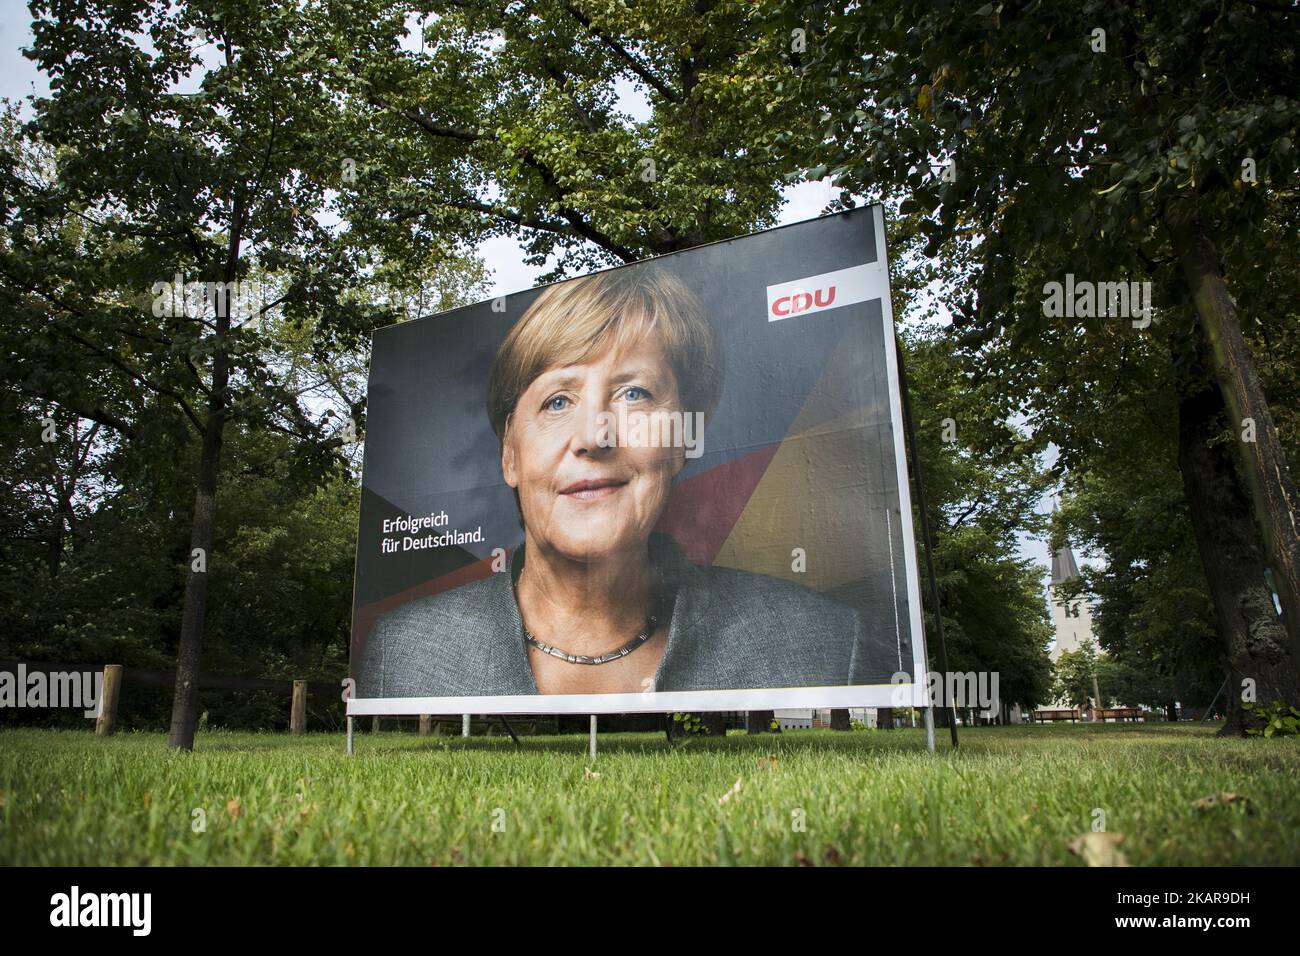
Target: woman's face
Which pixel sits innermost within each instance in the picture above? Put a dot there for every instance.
(584, 490)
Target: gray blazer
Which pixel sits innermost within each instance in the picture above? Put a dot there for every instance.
(730, 629)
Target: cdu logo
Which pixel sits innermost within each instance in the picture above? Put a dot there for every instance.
(802, 301)
(829, 290)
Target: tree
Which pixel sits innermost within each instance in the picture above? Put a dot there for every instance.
(1073, 676)
(226, 183)
(1121, 684)
(1124, 500)
(761, 722)
(983, 481)
(494, 119)
(1143, 141)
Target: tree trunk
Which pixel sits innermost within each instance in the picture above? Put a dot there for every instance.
(186, 698)
(884, 718)
(185, 701)
(1263, 460)
(1254, 642)
(840, 719)
(760, 722)
(714, 723)
(54, 554)
(1171, 712)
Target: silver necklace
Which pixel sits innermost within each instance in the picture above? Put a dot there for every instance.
(651, 622)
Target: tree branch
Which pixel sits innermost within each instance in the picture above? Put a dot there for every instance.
(94, 414)
(633, 63)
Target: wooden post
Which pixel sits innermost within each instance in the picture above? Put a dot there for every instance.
(298, 709)
(374, 724)
(108, 694)
(424, 725)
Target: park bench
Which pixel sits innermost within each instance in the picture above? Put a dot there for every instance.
(1120, 713)
(1045, 715)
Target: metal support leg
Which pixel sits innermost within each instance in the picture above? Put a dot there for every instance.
(592, 747)
(510, 730)
(929, 729)
(464, 725)
(1209, 710)
(349, 735)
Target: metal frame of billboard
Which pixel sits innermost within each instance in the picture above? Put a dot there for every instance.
(913, 694)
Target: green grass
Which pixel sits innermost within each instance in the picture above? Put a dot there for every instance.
(1011, 795)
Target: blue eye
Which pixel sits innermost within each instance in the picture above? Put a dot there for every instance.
(551, 406)
(635, 393)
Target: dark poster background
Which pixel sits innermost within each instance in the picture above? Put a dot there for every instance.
(800, 452)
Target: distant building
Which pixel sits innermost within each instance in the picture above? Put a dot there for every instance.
(1071, 618)
(808, 718)
(794, 718)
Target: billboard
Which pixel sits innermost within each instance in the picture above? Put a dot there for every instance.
(674, 485)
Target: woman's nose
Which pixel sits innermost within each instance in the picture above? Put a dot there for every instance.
(596, 429)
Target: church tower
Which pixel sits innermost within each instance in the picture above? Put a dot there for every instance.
(1071, 620)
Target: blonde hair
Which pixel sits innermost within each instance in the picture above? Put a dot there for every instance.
(572, 320)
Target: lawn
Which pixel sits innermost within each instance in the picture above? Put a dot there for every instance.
(1011, 795)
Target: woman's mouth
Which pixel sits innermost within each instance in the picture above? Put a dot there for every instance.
(592, 489)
